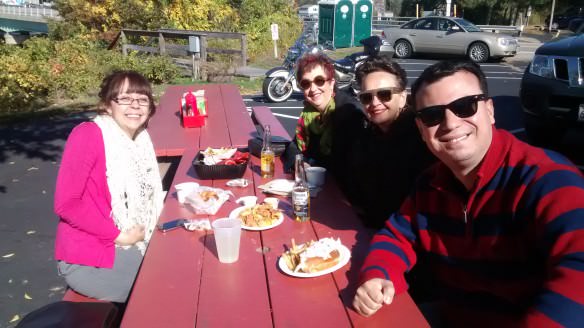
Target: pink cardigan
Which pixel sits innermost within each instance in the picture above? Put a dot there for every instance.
(86, 230)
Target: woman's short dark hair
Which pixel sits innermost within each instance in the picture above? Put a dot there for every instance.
(447, 68)
(382, 64)
(310, 61)
(112, 85)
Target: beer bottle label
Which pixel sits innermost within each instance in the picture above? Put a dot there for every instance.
(300, 197)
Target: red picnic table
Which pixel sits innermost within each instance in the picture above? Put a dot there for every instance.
(182, 283)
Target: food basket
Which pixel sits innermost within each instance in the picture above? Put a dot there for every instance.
(218, 171)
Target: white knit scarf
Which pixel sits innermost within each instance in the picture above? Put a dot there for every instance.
(133, 178)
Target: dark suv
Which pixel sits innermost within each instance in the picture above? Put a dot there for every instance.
(564, 19)
(552, 90)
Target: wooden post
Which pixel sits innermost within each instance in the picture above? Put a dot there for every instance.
(204, 48)
(243, 50)
(275, 49)
(161, 44)
(195, 66)
(124, 43)
(203, 59)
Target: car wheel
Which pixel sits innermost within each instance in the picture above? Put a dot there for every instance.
(403, 49)
(478, 52)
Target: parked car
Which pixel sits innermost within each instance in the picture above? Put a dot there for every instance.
(552, 90)
(449, 35)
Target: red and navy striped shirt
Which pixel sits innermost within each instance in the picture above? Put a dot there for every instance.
(512, 245)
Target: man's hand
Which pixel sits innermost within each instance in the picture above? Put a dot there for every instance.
(372, 295)
(130, 237)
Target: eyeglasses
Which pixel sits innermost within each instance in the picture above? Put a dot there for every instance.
(127, 101)
(318, 81)
(462, 107)
(383, 94)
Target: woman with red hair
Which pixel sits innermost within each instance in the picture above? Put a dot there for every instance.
(318, 133)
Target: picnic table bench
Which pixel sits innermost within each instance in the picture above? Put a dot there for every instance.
(181, 282)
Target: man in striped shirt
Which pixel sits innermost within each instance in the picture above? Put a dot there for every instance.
(498, 223)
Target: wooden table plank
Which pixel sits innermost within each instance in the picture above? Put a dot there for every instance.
(168, 135)
(215, 133)
(298, 302)
(239, 288)
(264, 116)
(167, 287)
(241, 128)
(335, 218)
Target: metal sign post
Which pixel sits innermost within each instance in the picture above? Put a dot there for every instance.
(275, 37)
(195, 50)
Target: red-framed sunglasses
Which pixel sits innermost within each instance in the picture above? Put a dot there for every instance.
(318, 81)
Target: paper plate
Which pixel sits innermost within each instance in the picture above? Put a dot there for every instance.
(235, 215)
(345, 256)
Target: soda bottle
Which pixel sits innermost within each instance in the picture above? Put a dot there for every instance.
(300, 192)
(267, 156)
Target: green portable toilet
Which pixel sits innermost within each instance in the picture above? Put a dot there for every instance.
(362, 20)
(335, 23)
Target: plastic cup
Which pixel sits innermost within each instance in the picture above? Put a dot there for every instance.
(227, 235)
(272, 201)
(315, 176)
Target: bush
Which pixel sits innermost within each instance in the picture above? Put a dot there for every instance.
(45, 71)
(158, 69)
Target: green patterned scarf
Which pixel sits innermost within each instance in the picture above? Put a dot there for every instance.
(311, 121)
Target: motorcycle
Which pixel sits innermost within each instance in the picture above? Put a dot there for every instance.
(280, 81)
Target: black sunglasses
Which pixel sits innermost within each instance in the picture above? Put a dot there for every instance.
(319, 81)
(462, 107)
(383, 94)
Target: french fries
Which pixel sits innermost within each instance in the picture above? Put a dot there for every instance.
(261, 215)
(292, 255)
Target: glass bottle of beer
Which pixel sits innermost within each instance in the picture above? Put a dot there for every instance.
(300, 192)
(267, 156)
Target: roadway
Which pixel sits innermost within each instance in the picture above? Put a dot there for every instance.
(29, 157)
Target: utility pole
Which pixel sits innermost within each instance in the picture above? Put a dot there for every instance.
(552, 16)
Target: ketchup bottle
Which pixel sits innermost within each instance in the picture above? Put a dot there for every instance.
(190, 103)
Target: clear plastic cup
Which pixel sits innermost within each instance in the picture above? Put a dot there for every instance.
(227, 235)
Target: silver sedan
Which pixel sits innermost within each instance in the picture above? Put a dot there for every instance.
(446, 35)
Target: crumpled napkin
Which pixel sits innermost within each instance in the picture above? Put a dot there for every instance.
(194, 224)
(280, 187)
(207, 200)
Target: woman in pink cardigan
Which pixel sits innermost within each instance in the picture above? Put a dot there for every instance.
(109, 194)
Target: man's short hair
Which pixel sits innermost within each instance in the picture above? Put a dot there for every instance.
(446, 68)
(382, 64)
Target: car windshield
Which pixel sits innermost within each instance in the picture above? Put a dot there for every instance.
(468, 26)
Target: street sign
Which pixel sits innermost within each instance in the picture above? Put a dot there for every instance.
(274, 28)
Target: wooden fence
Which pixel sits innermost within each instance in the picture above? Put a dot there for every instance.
(178, 52)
